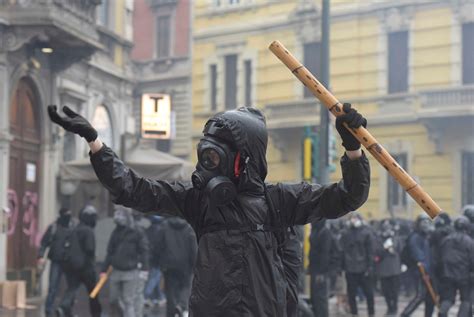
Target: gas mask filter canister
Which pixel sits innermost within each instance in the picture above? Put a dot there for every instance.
(215, 171)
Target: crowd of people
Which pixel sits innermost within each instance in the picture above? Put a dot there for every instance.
(136, 265)
(355, 259)
(348, 259)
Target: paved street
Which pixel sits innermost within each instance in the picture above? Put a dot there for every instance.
(82, 307)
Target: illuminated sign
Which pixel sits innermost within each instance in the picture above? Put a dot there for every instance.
(156, 116)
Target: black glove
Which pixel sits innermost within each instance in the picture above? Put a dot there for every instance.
(74, 123)
(354, 120)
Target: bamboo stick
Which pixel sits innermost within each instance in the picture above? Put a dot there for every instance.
(364, 137)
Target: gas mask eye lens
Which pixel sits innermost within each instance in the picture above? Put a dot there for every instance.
(210, 158)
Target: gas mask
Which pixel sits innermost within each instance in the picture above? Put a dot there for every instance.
(216, 170)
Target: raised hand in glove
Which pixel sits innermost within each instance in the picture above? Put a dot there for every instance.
(74, 123)
(353, 120)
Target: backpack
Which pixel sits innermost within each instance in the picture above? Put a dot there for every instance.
(405, 256)
(74, 257)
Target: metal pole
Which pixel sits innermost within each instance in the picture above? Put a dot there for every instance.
(324, 114)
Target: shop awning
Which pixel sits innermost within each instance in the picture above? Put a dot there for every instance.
(146, 161)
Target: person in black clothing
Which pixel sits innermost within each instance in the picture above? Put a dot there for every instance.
(235, 214)
(152, 289)
(468, 212)
(443, 228)
(321, 241)
(457, 262)
(389, 265)
(86, 273)
(420, 253)
(127, 254)
(54, 240)
(358, 262)
(177, 249)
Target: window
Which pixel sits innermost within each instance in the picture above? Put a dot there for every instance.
(467, 53)
(69, 150)
(231, 81)
(103, 13)
(312, 61)
(467, 171)
(397, 62)
(248, 82)
(213, 84)
(163, 36)
(397, 198)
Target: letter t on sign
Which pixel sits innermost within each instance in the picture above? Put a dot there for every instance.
(156, 101)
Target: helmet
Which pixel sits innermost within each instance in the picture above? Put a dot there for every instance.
(462, 224)
(468, 211)
(442, 220)
(423, 223)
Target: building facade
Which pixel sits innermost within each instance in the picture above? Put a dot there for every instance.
(162, 62)
(404, 64)
(74, 53)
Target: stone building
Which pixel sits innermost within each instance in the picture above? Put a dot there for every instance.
(67, 52)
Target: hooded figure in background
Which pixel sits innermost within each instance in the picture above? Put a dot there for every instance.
(127, 254)
(358, 250)
(457, 263)
(52, 242)
(238, 219)
(81, 249)
(177, 249)
(420, 253)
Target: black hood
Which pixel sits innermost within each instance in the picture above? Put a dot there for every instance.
(249, 132)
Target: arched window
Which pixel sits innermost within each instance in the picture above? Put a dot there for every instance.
(102, 122)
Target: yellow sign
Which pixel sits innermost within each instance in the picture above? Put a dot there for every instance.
(156, 116)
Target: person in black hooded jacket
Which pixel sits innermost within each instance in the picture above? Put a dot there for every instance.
(236, 216)
(359, 262)
(86, 274)
(53, 239)
(457, 267)
(177, 248)
(127, 254)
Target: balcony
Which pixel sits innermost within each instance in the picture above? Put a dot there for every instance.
(67, 26)
(293, 114)
(447, 102)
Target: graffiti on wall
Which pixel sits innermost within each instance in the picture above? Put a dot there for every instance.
(29, 221)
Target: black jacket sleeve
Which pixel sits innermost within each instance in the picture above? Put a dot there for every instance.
(45, 241)
(129, 189)
(311, 202)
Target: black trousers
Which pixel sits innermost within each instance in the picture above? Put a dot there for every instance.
(421, 295)
(355, 280)
(177, 290)
(319, 295)
(74, 279)
(448, 297)
(390, 291)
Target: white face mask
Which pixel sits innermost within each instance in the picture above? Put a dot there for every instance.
(356, 223)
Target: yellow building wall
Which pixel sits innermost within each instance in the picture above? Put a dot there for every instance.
(355, 73)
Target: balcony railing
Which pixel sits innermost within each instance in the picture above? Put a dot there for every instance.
(292, 114)
(77, 17)
(405, 107)
(457, 96)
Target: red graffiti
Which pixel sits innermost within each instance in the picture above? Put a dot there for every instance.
(30, 222)
(29, 206)
(14, 209)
